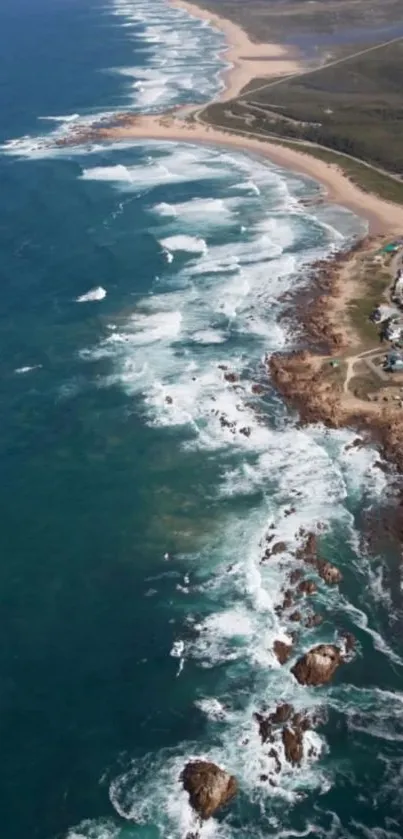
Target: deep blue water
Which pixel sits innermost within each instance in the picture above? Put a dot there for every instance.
(116, 665)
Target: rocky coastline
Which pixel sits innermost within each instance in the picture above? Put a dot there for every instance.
(301, 377)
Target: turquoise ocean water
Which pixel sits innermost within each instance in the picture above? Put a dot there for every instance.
(131, 274)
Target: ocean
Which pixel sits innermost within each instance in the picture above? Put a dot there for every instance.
(143, 284)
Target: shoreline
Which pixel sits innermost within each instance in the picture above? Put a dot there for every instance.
(383, 217)
(307, 379)
(182, 124)
(249, 60)
(302, 377)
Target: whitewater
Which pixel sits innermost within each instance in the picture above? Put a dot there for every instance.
(231, 236)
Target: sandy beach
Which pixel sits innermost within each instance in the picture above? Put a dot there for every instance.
(249, 60)
(382, 216)
(185, 124)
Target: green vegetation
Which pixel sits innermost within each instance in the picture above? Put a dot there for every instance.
(355, 107)
(351, 103)
(375, 285)
(307, 22)
(230, 116)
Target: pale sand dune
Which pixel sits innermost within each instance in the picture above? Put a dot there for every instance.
(249, 61)
(383, 216)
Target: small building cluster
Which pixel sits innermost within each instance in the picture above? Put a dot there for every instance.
(389, 317)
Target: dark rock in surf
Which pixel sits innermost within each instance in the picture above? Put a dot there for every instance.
(282, 651)
(258, 389)
(293, 745)
(281, 714)
(349, 641)
(273, 754)
(313, 620)
(264, 726)
(307, 587)
(329, 573)
(318, 665)
(278, 548)
(209, 787)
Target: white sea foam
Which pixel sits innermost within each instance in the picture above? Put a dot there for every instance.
(22, 370)
(201, 212)
(169, 164)
(64, 119)
(189, 244)
(222, 309)
(53, 144)
(182, 62)
(190, 353)
(228, 289)
(93, 294)
(97, 829)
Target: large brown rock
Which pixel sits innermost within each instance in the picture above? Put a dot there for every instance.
(318, 665)
(209, 787)
(329, 573)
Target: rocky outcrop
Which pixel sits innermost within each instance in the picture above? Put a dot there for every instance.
(246, 431)
(231, 377)
(282, 651)
(349, 641)
(264, 724)
(277, 762)
(307, 587)
(309, 550)
(278, 548)
(329, 573)
(209, 787)
(314, 619)
(318, 665)
(281, 714)
(293, 745)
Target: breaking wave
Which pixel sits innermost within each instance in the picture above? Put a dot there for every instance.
(176, 61)
(190, 355)
(173, 39)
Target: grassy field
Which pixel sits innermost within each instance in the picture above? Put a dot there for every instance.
(321, 24)
(356, 107)
(374, 288)
(235, 118)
